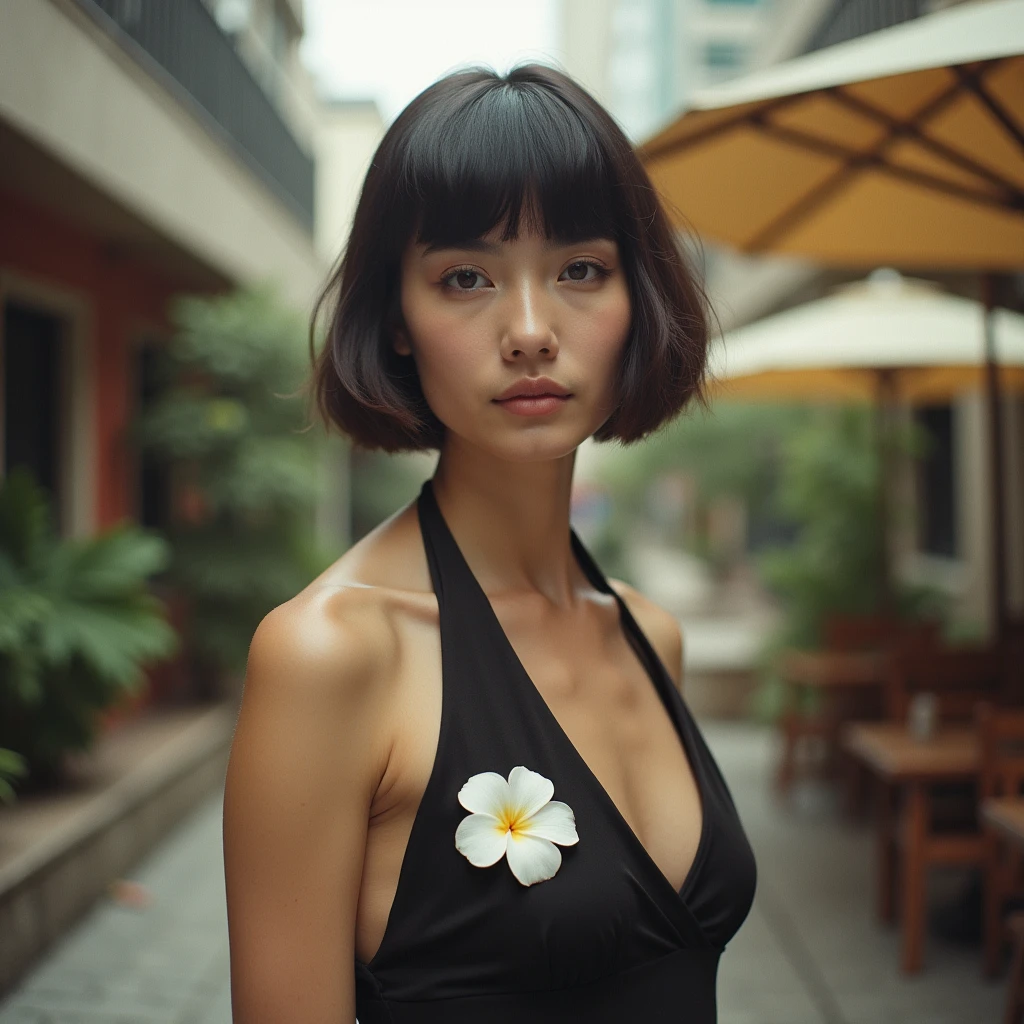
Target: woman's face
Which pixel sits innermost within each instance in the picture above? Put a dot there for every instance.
(480, 319)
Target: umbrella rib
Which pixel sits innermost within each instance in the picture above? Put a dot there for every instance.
(797, 211)
(954, 156)
(854, 161)
(650, 153)
(994, 106)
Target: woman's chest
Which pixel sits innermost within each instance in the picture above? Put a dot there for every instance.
(597, 728)
(599, 696)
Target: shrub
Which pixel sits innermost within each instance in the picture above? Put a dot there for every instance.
(77, 626)
(830, 489)
(246, 473)
(12, 766)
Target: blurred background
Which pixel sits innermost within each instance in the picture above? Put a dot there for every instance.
(841, 537)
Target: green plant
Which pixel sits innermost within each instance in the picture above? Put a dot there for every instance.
(12, 766)
(246, 472)
(830, 489)
(732, 451)
(77, 625)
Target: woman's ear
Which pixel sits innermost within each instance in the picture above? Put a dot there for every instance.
(400, 341)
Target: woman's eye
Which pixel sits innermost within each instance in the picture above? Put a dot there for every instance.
(466, 279)
(463, 280)
(580, 271)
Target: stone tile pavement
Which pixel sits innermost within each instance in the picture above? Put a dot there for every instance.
(163, 964)
(810, 952)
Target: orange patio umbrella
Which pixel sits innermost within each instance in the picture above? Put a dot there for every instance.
(904, 147)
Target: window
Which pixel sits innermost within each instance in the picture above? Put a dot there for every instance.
(154, 474)
(936, 504)
(32, 379)
(724, 55)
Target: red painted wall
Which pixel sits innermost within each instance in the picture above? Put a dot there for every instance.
(126, 298)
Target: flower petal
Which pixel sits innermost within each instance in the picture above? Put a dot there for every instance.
(486, 793)
(529, 791)
(531, 858)
(481, 839)
(554, 821)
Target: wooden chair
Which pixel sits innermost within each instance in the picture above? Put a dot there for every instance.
(846, 634)
(870, 633)
(1001, 735)
(959, 677)
(858, 632)
(948, 832)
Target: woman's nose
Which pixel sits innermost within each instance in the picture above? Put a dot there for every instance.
(528, 329)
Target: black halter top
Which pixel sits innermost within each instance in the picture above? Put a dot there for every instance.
(607, 937)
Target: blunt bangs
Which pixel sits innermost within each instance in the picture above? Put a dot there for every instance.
(513, 156)
(474, 152)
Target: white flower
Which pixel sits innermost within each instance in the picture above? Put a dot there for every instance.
(517, 819)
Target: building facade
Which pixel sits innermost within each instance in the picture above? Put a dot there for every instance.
(141, 158)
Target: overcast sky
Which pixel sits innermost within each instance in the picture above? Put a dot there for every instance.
(389, 50)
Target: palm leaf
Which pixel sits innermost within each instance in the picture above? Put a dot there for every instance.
(24, 519)
(114, 564)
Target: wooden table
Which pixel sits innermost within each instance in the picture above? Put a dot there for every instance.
(831, 670)
(825, 672)
(907, 770)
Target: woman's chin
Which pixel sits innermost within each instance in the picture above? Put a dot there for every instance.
(537, 445)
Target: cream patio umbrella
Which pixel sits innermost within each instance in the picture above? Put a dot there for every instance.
(921, 341)
(904, 147)
(878, 340)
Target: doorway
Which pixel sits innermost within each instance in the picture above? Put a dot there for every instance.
(33, 358)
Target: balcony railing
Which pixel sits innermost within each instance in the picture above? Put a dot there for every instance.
(849, 19)
(179, 42)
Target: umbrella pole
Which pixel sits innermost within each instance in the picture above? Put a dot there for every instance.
(996, 462)
(884, 397)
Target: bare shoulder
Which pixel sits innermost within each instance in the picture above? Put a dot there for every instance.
(311, 744)
(661, 627)
(338, 641)
(340, 635)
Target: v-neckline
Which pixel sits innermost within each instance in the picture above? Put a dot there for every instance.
(649, 661)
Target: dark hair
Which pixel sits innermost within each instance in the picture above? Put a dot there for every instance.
(472, 151)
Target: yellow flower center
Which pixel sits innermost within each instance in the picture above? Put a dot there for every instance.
(511, 820)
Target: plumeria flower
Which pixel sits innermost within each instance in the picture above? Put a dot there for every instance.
(517, 819)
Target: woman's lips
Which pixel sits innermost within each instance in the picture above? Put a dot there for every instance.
(536, 405)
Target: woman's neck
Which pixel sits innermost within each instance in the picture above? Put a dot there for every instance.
(511, 521)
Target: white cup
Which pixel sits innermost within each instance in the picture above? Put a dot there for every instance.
(922, 716)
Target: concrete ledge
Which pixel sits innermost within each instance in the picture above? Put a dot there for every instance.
(59, 852)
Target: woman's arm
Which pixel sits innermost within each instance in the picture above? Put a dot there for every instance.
(307, 756)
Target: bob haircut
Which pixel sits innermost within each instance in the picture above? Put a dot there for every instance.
(472, 151)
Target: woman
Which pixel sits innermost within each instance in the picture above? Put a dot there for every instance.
(463, 784)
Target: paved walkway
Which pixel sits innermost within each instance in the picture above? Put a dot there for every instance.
(810, 952)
